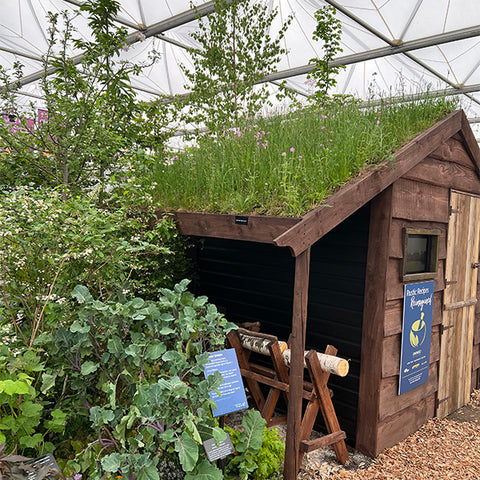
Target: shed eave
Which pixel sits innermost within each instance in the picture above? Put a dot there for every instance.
(252, 228)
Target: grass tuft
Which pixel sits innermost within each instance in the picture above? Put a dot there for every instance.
(289, 163)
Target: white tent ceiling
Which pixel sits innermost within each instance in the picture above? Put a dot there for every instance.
(389, 46)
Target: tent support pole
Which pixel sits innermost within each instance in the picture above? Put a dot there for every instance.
(297, 340)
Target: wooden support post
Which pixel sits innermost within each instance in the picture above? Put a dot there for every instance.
(373, 324)
(297, 338)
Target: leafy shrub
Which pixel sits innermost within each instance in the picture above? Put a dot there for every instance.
(24, 425)
(259, 450)
(134, 368)
(49, 244)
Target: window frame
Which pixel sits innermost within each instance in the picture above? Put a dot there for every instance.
(433, 241)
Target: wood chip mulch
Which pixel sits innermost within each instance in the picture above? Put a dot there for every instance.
(440, 449)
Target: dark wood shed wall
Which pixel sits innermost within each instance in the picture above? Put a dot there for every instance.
(420, 199)
(254, 282)
(335, 306)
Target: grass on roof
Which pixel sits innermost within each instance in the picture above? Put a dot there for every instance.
(288, 163)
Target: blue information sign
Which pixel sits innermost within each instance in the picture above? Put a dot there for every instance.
(416, 335)
(232, 391)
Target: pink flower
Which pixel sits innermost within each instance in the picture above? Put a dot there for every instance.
(378, 122)
(283, 154)
(324, 128)
(300, 157)
(292, 149)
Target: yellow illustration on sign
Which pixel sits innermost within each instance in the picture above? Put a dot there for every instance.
(418, 332)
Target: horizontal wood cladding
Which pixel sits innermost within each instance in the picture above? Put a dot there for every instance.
(396, 237)
(398, 426)
(394, 314)
(251, 228)
(391, 352)
(250, 281)
(417, 201)
(391, 402)
(453, 150)
(447, 174)
(395, 289)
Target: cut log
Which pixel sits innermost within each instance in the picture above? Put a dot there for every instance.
(258, 344)
(329, 363)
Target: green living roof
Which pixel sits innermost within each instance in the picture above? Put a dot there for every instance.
(287, 164)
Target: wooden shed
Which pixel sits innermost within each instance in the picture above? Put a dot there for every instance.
(338, 276)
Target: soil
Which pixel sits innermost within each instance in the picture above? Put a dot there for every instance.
(441, 449)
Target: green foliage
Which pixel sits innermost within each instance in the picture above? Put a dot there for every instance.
(328, 31)
(235, 50)
(287, 164)
(48, 245)
(135, 367)
(259, 450)
(24, 425)
(94, 124)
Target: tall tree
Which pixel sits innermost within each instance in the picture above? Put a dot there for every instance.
(235, 50)
(92, 122)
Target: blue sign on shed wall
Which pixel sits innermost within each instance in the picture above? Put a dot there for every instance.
(416, 335)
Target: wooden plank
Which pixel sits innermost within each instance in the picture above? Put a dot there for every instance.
(297, 345)
(454, 150)
(396, 237)
(475, 382)
(258, 229)
(395, 289)
(394, 314)
(373, 318)
(391, 352)
(464, 303)
(445, 174)
(397, 427)
(455, 369)
(366, 186)
(417, 201)
(391, 402)
(311, 445)
(470, 143)
(311, 412)
(319, 380)
(476, 357)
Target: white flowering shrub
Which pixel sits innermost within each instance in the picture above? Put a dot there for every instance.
(48, 245)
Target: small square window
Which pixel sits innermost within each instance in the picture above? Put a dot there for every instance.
(420, 259)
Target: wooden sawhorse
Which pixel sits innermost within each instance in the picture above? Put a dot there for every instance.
(316, 393)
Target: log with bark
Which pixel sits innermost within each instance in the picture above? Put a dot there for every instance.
(259, 343)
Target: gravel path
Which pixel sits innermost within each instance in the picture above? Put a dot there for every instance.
(441, 449)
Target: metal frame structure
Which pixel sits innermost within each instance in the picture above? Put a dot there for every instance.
(396, 46)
